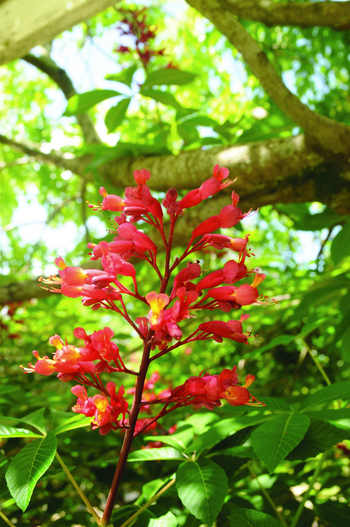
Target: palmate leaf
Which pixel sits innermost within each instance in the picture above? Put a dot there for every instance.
(251, 518)
(338, 390)
(28, 466)
(202, 488)
(273, 441)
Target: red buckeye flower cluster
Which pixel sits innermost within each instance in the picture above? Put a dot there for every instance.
(185, 290)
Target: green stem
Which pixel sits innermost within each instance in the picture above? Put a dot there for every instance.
(320, 369)
(311, 486)
(152, 500)
(267, 496)
(6, 520)
(78, 489)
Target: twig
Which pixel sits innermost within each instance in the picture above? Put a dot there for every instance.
(267, 496)
(319, 367)
(6, 520)
(78, 489)
(152, 500)
(307, 493)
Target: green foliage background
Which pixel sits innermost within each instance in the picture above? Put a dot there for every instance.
(311, 319)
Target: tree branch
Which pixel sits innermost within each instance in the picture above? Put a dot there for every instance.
(66, 161)
(335, 15)
(329, 134)
(60, 77)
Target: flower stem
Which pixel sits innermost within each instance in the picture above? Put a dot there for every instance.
(129, 434)
(152, 500)
(5, 518)
(78, 489)
(267, 496)
(311, 486)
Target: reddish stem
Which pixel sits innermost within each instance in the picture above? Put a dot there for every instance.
(129, 434)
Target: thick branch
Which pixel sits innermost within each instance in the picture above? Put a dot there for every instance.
(66, 161)
(335, 15)
(282, 170)
(329, 134)
(60, 77)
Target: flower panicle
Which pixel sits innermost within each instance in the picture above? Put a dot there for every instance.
(192, 290)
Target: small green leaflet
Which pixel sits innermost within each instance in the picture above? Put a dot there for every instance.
(237, 451)
(340, 247)
(223, 429)
(252, 518)
(338, 390)
(202, 488)
(179, 440)
(168, 520)
(163, 97)
(155, 453)
(124, 76)
(169, 76)
(9, 431)
(273, 441)
(28, 466)
(116, 115)
(36, 419)
(77, 421)
(81, 102)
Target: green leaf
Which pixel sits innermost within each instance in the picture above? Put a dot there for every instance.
(200, 120)
(339, 390)
(9, 431)
(276, 405)
(180, 440)
(169, 76)
(223, 429)
(115, 115)
(36, 419)
(77, 421)
(124, 76)
(315, 222)
(335, 513)
(188, 133)
(340, 247)
(281, 339)
(28, 466)
(151, 454)
(273, 441)
(237, 451)
(320, 294)
(251, 518)
(168, 520)
(165, 98)
(202, 488)
(83, 101)
(320, 436)
(329, 415)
